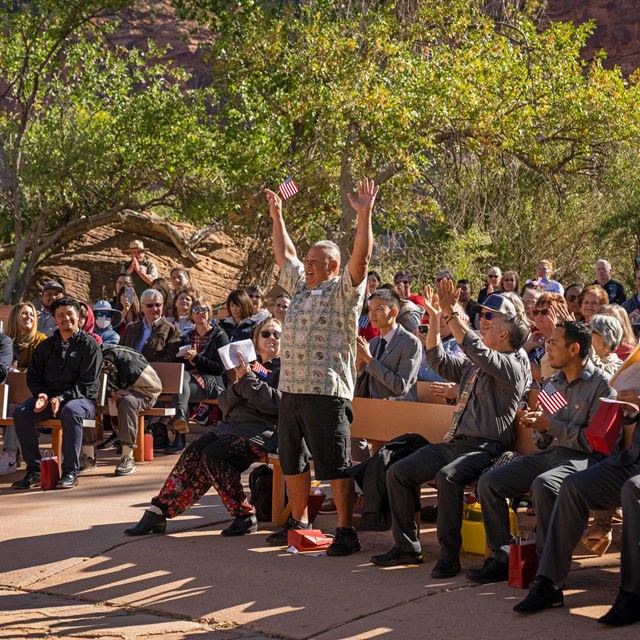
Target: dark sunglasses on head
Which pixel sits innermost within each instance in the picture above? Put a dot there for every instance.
(154, 305)
(271, 334)
(540, 312)
(402, 282)
(200, 310)
(487, 315)
(103, 314)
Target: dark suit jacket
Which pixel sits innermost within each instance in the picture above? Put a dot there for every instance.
(161, 346)
(396, 373)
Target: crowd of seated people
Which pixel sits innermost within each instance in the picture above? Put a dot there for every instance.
(499, 350)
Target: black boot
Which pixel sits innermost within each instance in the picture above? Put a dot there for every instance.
(241, 526)
(178, 444)
(149, 523)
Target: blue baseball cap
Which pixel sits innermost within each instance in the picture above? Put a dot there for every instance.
(496, 302)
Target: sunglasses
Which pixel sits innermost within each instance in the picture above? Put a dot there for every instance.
(200, 310)
(271, 334)
(540, 312)
(155, 305)
(572, 298)
(487, 315)
(103, 314)
(493, 275)
(402, 282)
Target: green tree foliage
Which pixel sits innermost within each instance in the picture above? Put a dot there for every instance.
(89, 130)
(490, 133)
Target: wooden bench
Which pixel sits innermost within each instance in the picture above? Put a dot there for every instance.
(171, 376)
(15, 392)
(378, 421)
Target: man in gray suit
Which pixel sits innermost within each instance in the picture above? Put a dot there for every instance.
(388, 365)
(615, 481)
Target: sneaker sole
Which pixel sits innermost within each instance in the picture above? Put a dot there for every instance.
(128, 472)
(337, 554)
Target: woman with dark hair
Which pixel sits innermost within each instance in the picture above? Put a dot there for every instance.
(364, 325)
(126, 301)
(238, 324)
(203, 376)
(219, 457)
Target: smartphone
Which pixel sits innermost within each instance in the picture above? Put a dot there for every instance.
(128, 294)
(423, 328)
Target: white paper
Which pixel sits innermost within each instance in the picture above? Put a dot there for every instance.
(230, 354)
(635, 407)
(183, 350)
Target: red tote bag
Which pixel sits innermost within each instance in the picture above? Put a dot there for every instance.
(603, 430)
(523, 563)
(49, 471)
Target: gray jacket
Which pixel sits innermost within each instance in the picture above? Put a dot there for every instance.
(503, 379)
(394, 376)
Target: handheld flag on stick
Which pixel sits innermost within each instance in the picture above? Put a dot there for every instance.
(288, 188)
(258, 369)
(551, 399)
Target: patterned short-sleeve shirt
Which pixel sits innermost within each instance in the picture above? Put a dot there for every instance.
(318, 350)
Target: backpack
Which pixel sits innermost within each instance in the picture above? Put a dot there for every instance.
(261, 485)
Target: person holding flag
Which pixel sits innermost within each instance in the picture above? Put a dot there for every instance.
(567, 402)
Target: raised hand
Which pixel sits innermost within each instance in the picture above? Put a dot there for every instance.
(447, 295)
(431, 302)
(367, 192)
(558, 313)
(275, 203)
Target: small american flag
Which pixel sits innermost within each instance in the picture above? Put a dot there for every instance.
(288, 188)
(551, 398)
(258, 369)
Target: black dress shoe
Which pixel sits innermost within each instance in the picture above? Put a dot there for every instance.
(542, 595)
(491, 571)
(149, 523)
(445, 569)
(30, 480)
(624, 611)
(68, 481)
(110, 443)
(397, 557)
(241, 525)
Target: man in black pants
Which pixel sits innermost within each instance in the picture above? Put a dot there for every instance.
(63, 377)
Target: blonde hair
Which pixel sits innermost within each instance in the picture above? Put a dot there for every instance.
(13, 326)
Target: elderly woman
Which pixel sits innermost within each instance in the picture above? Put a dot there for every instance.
(629, 341)
(238, 324)
(203, 376)
(218, 458)
(23, 330)
(591, 298)
(606, 334)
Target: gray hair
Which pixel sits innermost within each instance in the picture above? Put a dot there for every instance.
(606, 263)
(330, 247)
(609, 328)
(151, 294)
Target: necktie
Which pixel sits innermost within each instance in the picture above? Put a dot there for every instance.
(381, 347)
(462, 403)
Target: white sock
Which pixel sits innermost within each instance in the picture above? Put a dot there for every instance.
(127, 451)
(154, 509)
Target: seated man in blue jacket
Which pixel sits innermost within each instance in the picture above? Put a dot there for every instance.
(63, 378)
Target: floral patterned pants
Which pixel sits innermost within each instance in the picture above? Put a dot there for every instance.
(213, 460)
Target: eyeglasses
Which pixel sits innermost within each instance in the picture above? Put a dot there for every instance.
(402, 282)
(572, 298)
(493, 275)
(540, 312)
(103, 314)
(200, 310)
(155, 305)
(487, 315)
(271, 334)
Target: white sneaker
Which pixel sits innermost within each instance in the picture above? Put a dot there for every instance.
(8, 463)
(126, 466)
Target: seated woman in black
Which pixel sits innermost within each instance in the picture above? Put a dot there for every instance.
(204, 371)
(238, 324)
(219, 457)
